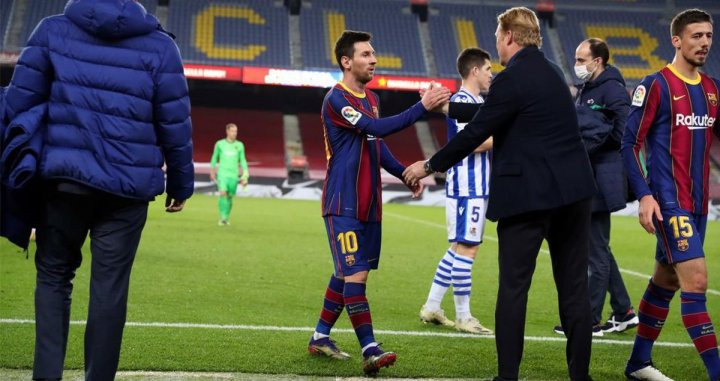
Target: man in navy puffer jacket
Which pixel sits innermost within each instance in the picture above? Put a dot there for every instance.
(118, 109)
(603, 92)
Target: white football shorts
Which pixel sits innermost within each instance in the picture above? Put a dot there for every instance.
(465, 219)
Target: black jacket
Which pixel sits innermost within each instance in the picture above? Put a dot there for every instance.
(538, 161)
(608, 96)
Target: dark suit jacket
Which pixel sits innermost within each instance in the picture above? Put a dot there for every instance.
(538, 161)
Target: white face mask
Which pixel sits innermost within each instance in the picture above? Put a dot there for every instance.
(582, 72)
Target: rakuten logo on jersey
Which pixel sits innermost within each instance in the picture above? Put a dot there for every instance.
(694, 122)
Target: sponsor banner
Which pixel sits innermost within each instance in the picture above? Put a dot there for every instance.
(326, 79)
(286, 77)
(391, 82)
(218, 73)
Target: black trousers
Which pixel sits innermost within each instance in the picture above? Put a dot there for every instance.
(115, 225)
(604, 274)
(566, 230)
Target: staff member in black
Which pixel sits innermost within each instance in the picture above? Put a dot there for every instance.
(540, 188)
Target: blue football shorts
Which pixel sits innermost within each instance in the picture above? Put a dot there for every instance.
(680, 235)
(355, 245)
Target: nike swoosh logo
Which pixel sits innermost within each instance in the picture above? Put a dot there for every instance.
(706, 327)
(677, 98)
(697, 127)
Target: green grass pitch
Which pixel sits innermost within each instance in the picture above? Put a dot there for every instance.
(266, 273)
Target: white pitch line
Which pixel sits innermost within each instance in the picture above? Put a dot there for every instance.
(247, 327)
(544, 251)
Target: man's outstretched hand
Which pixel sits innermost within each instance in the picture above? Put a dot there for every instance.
(435, 96)
(416, 189)
(441, 107)
(414, 173)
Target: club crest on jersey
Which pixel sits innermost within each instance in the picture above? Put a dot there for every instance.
(683, 244)
(350, 114)
(639, 96)
(375, 111)
(712, 97)
(473, 231)
(350, 259)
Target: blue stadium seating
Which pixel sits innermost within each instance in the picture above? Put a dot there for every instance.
(712, 6)
(38, 9)
(644, 36)
(5, 6)
(618, 3)
(396, 38)
(454, 27)
(234, 33)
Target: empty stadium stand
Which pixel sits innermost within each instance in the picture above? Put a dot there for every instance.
(405, 146)
(615, 3)
(438, 128)
(5, 7)
(396, 38)
(36, 10)
(234, 33)
(260, 131)
(313, 142)
(454, 27)
(639, 41)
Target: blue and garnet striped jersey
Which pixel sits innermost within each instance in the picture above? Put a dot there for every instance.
(355, 151)
(673, 116)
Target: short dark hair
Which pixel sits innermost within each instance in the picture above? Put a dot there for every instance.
(686, 17)
(599, 48)
(469, 58)
(345, 45)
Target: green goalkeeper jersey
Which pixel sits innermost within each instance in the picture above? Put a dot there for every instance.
(229, 155)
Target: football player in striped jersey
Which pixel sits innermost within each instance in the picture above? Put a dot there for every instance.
(467, 189)
(673, 113)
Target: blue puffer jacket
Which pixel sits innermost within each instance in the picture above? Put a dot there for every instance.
(118, 105)
(606, 95)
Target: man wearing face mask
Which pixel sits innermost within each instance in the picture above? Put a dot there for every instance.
(602, 106)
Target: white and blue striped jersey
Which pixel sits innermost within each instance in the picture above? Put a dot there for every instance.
(471, 176)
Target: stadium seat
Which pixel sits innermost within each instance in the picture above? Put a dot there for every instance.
(405, 146)
(36, 10)
(438, 128)
(5, 7)
(233, 33)
(313, 142)
(618, 3)
(396, 36)
(454, 27)
(639, 42)
(260, 131)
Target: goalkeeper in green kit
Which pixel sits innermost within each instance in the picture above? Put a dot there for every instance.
(229, 152)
